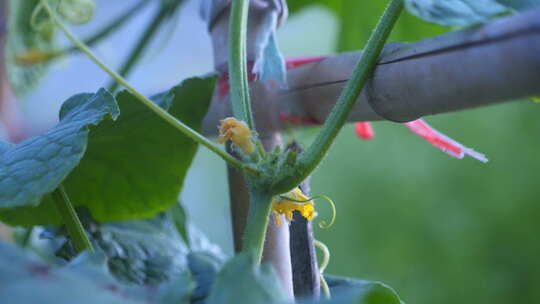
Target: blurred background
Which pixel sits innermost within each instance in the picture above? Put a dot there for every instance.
(437, 229)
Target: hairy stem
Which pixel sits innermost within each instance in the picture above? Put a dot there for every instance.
(309, 160)
(71, 220)
(257, 222)
(238, 80)
(142, 43)
(163, 114)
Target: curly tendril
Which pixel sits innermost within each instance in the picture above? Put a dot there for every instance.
(72, 11)
(323, 224)
(322, 267)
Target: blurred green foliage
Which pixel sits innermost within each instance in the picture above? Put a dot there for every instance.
(437, 229)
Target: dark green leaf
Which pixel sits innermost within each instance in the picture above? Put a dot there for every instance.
(26, 279)
(455, 12)
(520, 4)
(178, 215)
(177, 291)
(355, 291)
(21, 39)
(138, 251)
(204, 267)
(135, 166)
(243, 281)
(38, 165)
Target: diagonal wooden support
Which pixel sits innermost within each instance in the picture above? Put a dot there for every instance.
(493, 63)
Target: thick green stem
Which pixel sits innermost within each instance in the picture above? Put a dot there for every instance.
(71, 220)
(238, 79)
(309, 160)
(257, 222)
(163, 114)
(142, 43)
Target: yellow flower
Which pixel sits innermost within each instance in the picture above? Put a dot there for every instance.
(238, 132)
(32, 56)
(286, 204)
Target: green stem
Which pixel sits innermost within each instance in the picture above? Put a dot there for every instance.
(238, 79)
(309, 160)
(163, 114)
(260, 206)
(71, 220)
(142, 43)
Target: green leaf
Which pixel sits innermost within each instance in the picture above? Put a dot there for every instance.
(243, 281)
(134, 167)
(26, 279)
(520, 4)
(358, 19)
(178, 215)
(21, 39)
(38, 165)
(355, 291)
(143, 251)
(455, 12)
(204, 267)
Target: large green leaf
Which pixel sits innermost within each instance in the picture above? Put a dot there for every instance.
(38, 165)
(464, 12)
(520, 4)
(133, 167)
(356, 291)
(21, 39)
(358, 18)
(455, 12)
(148, 251)
(26, 279)
(241, 280)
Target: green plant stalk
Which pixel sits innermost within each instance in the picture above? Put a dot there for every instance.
(311, 158)
(71, 220)
(238, 79)
(147, 102)
(142, 43)
(260, 206)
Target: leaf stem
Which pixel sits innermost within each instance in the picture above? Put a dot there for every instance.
(309, 160)
(163, 114)
(257, 222)
(142, 43)
(71, 220)
(238, 79)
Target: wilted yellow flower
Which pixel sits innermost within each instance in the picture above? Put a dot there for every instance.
(238, 132)
(286, 204)
(32, 56)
